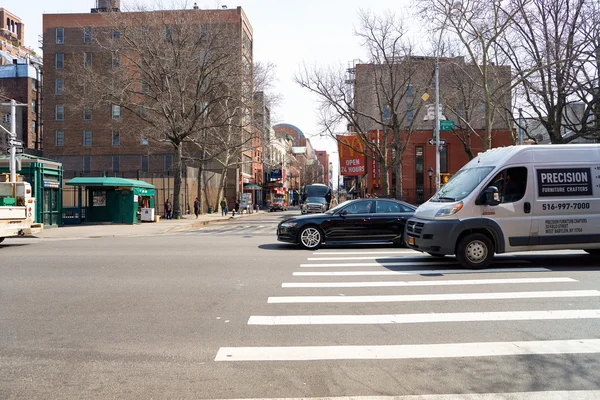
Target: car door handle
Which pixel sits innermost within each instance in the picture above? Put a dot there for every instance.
(527, 207)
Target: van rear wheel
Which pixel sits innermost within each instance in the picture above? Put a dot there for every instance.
(475, 251)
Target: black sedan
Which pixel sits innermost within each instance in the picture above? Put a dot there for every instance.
(351, 221)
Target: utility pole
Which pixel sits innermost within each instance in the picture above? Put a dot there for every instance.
(13, 142)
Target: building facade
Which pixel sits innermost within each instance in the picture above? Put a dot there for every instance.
(20, 79)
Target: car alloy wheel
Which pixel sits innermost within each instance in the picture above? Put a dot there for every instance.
(311, 237)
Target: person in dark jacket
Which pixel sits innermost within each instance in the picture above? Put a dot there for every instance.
(236, 207)
(196, 207)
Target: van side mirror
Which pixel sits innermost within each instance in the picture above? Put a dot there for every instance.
(491, 197)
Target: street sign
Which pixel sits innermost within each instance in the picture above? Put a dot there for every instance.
(18, 150)
(15, 142)
(446, 125)
(431, 141)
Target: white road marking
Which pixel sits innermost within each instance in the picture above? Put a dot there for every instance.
(370, 258)
(345, 253)
(395, 264)
(424, 283)
(422, 318)
(420, 272)
(393, 352)
(549, 395)
(434, 297)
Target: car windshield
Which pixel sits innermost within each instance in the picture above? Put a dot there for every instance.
(461, 184)
(320, 200)
(338, 207)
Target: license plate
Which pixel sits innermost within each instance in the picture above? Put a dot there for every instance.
(411, 240)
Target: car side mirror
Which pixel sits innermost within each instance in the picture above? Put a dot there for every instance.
(491, 197)
(343, 213)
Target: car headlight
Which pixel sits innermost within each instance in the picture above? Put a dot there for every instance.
(288, 224)
(449, 210)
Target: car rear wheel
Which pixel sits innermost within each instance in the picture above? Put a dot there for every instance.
(475, 251)
(310, 238)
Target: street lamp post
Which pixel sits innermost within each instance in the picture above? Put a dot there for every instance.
(430, 173)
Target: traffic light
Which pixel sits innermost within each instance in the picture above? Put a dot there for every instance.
(444, 178)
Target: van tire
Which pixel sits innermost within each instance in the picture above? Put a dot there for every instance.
(475, 251)
(593, 252)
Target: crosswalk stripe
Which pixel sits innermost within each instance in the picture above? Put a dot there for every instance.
(394, 352)
(420, 272)
(345, 253)
(394, 264)
(423, 283)
(422, 318)
(433, 297)
(548, 395)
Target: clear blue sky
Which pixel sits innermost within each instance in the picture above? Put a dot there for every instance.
(286, 33)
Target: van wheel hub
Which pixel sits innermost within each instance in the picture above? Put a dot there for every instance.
(476, 251)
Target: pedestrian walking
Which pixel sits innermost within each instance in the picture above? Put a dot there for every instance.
(196, 207)
(168, 209)
(236, 207)
(223, 207)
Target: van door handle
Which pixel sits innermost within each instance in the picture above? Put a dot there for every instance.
(527, 207)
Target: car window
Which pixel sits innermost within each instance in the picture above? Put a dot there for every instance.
(360, 207)
(511, 184)
(384, 206)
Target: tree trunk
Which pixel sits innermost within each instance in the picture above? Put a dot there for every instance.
(221, 191)
(398, 166)
(177, 175)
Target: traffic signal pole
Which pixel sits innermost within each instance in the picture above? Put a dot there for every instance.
(13, 138)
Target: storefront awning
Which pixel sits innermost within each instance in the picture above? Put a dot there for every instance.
(108, 182)
(252, 186)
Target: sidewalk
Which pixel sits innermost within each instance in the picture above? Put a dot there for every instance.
(142, 229)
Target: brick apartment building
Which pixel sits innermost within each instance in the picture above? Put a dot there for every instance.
(417, 117)
(90, 141)
(20, 77)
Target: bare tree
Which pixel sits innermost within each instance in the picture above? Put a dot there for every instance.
(382, 97)
(478, 26)
(554, 53)
(174, 79)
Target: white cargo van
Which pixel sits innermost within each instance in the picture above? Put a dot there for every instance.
(517, 198)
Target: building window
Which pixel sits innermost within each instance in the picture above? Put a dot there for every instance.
(116, 138)
(116, 111)
(116, 59)
(87, 113)
(116, 35)
(144, 142)
(145, 163)
(168, 162)
(60, 112)
(409, 112)
(33, 106)
(143, 87)
(60, 35)
(59, 139)
(33, 126)
(386, 112)
(87, 164)
(60, 87)
(143, 112)
(87, 138)
(87, 60)
(409, 90)
(87, 35)
(60, 61)
(116, 163)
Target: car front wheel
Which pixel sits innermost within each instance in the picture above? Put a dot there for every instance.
(475, 251)
(310, 238)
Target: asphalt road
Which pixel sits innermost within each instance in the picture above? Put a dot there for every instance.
(228, 312)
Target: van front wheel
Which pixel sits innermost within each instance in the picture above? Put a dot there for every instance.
(475, 251)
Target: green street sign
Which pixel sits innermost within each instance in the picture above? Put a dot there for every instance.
(446, 125)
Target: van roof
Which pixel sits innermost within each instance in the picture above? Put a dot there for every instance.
(545, 153)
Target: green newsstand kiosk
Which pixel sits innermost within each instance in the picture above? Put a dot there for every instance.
(111, 199)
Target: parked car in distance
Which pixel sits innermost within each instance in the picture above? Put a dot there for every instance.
(278, 204)
(314, 205)
(362, 220)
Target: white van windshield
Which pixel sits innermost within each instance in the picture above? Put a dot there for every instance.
(462, 184)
